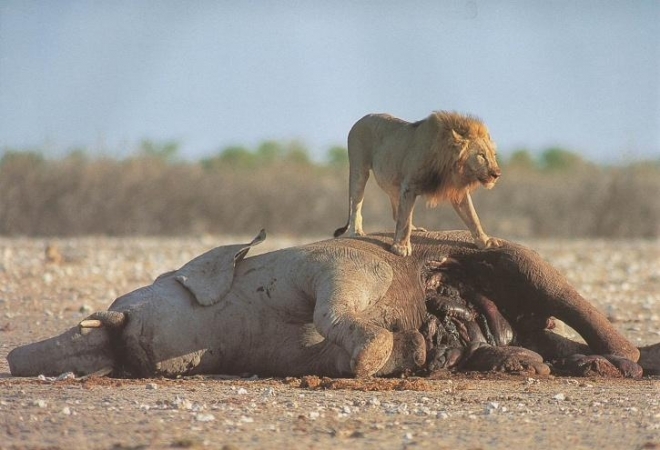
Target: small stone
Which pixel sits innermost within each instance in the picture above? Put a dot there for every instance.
(204, 417)
(182, 403)
(242, 391)
(151, 386)
(40, 403)
(492, 407)
(374, 401)
(560, 397)
(66, 411)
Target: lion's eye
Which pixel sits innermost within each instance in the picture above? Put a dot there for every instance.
(481, 159)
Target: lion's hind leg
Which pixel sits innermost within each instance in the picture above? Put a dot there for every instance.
(358, 177)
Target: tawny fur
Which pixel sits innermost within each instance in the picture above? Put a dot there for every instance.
(443, 158)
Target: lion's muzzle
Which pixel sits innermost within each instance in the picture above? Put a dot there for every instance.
(489, 180)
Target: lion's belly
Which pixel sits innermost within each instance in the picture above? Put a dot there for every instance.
(389, 164)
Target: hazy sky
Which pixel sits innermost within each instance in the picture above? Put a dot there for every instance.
(584, 75)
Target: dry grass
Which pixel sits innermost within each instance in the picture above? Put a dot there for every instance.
(149, 196)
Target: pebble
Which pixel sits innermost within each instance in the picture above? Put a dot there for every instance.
(492, 407)
(374, 401)
(204, 417)
(182, 403)
(66, 376)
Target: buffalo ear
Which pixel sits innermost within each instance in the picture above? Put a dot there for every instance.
(209, 276)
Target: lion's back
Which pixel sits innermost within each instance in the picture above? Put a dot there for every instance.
(377, 138)
(373, 129)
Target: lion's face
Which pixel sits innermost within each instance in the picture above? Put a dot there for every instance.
(481, 162)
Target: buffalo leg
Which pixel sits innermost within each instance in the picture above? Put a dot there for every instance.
(524, 282)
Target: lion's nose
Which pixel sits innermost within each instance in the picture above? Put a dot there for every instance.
(495, 173)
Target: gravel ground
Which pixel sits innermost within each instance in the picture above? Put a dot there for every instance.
(39, 299)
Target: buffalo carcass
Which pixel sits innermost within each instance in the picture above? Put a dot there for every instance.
(345, 307)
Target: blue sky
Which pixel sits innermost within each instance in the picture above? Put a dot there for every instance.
(584, 75)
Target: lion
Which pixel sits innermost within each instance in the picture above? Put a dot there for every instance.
(443, 157)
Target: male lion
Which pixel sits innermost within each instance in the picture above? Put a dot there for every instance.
(443, 157)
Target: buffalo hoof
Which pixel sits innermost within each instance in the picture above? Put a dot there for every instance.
(442, 357)
(609, 366)
(514, 360)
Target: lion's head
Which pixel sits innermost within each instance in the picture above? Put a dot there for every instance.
(479, 158)
(474, 150)
(462, 157)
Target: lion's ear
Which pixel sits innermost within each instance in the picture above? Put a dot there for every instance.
(458, 138)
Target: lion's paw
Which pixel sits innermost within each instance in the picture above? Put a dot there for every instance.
(401, 249)
(488, 242)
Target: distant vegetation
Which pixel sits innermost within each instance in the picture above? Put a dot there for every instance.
(278, 186)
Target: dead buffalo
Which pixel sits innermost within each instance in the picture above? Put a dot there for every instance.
(345, 307)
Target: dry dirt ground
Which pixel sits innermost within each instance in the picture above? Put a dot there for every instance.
(39, 299)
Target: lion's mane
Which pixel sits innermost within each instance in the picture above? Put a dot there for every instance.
(440, 161)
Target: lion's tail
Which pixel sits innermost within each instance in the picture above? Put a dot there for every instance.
(340, 231)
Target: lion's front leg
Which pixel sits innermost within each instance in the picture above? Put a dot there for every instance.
(465, 210)
(401, 245)
(394, 201)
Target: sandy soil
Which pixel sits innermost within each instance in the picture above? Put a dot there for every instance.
(39, 299)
